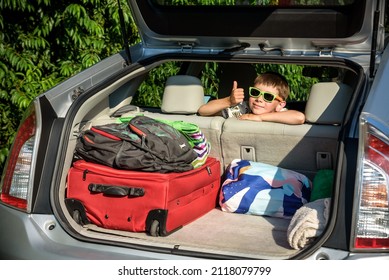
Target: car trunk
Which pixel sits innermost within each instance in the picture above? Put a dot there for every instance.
(219, 234)
(216, 234)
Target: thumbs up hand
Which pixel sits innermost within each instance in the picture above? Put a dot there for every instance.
(237, 94)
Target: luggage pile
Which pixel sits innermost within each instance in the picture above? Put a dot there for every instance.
(142, 176)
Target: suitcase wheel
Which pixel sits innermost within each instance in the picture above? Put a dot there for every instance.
(77, 211)
(154, 228)
(77, 217)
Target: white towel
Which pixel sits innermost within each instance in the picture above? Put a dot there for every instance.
(308, 222)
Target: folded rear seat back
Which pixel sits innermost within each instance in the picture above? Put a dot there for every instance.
(305, 148)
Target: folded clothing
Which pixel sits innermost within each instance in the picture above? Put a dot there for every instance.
(308, 223)
(262, 189)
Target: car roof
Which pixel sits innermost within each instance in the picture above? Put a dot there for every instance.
(343, 27)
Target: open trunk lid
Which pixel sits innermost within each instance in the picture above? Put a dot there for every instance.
(341, 26)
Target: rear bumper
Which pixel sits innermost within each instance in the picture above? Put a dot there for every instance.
(40, 237)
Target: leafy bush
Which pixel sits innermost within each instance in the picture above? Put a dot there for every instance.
(47, 42)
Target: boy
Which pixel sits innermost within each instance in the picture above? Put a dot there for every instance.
(266, 103)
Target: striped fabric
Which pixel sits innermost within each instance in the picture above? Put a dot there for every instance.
(195, 138)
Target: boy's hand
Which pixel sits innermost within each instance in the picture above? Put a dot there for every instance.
(237, 94)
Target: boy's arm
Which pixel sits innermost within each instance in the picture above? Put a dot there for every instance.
(214, 107)
(287, 117)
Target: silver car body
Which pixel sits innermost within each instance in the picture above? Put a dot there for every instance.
(38, 232)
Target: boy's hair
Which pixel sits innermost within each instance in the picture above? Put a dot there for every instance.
(275, 80)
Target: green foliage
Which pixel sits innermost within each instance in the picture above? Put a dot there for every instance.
(210, 79)
(43, 42)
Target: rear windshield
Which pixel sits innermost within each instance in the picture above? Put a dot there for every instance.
(267, 3)
(254, 18)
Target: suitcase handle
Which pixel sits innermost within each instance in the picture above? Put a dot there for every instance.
(116, 190)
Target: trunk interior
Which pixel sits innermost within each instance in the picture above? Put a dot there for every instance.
(306, 148)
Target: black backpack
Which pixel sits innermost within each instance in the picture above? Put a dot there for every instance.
(142, 144)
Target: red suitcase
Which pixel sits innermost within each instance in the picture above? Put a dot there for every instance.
(157, 203)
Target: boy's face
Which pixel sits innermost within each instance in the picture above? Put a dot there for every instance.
(259, 106)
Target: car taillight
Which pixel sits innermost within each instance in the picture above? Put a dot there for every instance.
(372, 216)
(17, 176)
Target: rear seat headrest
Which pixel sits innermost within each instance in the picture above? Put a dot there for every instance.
(327, 103)
(183, 94)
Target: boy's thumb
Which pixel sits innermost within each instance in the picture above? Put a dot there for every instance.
(235, 85)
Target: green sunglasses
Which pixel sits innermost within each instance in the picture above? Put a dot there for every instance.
(267, 96)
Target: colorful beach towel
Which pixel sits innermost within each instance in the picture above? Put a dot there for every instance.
(261, 189)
